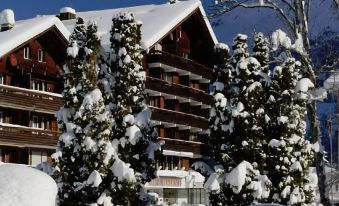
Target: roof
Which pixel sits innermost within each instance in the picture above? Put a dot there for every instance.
(332, 82)
(157, 20)
(25, 30)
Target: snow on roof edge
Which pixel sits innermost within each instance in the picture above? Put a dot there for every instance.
(161, 33)
(19, 37)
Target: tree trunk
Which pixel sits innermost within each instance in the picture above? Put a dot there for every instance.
(302, 29)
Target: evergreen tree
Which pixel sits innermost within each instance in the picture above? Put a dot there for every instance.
(85, 153)
(236, 131)
(239, 49)
(138, 145)
(261, 51)
(291, 154)
(257, 135)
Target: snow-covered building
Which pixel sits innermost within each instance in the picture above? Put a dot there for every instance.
(178, 41)
(32, 52)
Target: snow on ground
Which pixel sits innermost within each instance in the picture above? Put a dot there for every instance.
(25, 186)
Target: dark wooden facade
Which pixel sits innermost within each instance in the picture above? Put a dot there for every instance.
(29, 97)
(178, 73)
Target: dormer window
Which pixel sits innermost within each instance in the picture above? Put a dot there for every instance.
(41, 55)
(27, 52)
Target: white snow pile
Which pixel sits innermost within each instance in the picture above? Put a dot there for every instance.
(302, 87)
(221, 46)
(242, 176)
(25, 186)
(237, 177)
(94, 179)
(7, 17)
(280, 39)
(212, 183)
(123, 171)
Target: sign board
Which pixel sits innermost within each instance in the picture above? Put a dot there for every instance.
(165, 182)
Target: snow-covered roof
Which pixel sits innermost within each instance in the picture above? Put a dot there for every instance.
(157, 20)
(332, 82)
(25, 30)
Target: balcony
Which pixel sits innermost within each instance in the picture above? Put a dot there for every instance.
(25, 136)
(182, 145)
(30, 100)
(38, 68)
(178, 90)
(180, 63)
(164, 115)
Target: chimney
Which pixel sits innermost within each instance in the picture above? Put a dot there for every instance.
(172, 1)
(67, 13)
(7, 20)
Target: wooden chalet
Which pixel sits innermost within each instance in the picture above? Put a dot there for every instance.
(31, 57)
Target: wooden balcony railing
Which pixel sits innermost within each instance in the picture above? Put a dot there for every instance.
(182, 146)
(174, 117)
(30, 100)
(178, 90)
(180, 63)
(25, 136)
(40, 68)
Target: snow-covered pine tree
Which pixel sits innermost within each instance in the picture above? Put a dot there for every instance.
(239, 49)
(72, 69)
(67, 171)
(291, 154)
(138, 141)
(261, 51)
(85, 153)
(237, 134)
(221, 81)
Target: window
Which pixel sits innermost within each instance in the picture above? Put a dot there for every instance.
(38, 85)
(41, 55)
(38, 122)
(38, 157)
(27, 52)
(1, 117)
(2, 79)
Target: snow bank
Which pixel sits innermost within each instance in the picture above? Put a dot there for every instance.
(25, 186)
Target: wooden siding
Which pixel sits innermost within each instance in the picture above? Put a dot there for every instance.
(165, 115)
(181, 63)
(27, 136)
(29, 100)
(178, 90)
(182, 146)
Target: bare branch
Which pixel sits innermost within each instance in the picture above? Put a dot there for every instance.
(289, 5)
(308, 4)
(274, 7)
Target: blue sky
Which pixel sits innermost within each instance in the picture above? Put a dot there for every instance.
(240, 20)
(24, 9)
